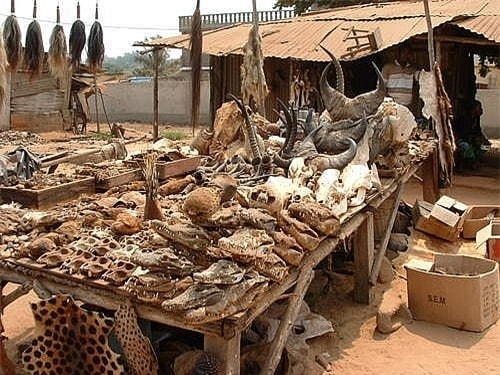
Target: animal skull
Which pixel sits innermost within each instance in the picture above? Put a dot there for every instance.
(356, 180)
(299, 172)
(302, 194)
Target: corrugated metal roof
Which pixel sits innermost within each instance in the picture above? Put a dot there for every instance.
(299, 38)
(487, 26)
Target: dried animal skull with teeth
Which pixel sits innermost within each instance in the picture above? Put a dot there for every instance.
(299, 172)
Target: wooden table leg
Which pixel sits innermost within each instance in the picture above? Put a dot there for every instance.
(430, 177)
(295, 301)
(364, 249)
(227, 351)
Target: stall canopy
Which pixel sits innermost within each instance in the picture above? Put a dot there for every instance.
(388, 23)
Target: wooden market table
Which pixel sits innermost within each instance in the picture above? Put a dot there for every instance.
(370, 223)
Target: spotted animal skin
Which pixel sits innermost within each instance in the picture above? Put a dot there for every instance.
(70, 341)
(139, 353)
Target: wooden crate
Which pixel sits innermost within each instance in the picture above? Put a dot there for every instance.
(48, 197)
(167, 169)
(119, 180)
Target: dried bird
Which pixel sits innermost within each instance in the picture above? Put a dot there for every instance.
(12, 37)
(58, 50)
(95, 44)
(33, 50)
(77, 39)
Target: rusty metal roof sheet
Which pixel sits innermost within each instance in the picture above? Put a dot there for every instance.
(299, 38)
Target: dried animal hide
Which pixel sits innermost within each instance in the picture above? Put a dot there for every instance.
(77, 37)
(152, 208)
(95, 45)
(253, 80)
(435, 106)
(6, 365)
(34, 50)
(69, 340)
(303, 234)
(341, 107)
(139, 353)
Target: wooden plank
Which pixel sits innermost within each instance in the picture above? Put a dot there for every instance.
(39, 123)
(48, 197)
(430, 176)
(364, 248)
(119, 180)
(177, 167)
(227, 351)
(33, 87)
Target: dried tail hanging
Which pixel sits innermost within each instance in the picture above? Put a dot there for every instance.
(33, 48)
(58, 50)
(195, 56)
(12, 37)
(95, 45)
(3, 73)
(77, 38)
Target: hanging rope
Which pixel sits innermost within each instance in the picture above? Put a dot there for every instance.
(12, 37)
(77, 37)
(34, 50)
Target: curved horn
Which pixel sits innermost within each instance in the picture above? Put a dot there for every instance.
(288, 124)
(340, 161)
(281, 162)
(249, 128)
(381, 85)
(333, 99)
(339, 74)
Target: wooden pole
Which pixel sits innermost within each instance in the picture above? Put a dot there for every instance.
(96, 107)
(156, 54)
(430, 35)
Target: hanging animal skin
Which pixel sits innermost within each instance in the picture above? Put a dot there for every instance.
(58, 50)
(12, 37)
(34, 50)
(77, 39)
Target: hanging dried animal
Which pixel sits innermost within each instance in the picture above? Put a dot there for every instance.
(341, 107)
(77, 37)
(33, 50)
(253, 79)
(58, 50)
(95, 46)
(12, 37)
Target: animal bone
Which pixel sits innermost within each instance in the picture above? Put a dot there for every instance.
(299, 172)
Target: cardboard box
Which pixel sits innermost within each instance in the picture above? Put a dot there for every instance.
(444, 219)
(455, 290)
(477, 217)
(489, 239)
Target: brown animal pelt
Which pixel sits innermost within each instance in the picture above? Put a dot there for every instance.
(195, 55)
(3, 74)
(95, 47)
(152, 208)
(57, 53)
(77, 37)
(13, 44)
(33, 50)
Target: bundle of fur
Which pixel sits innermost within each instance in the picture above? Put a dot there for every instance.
(58, 50)
(33, 49)
(77, 37)
(12, 37)
(95, 47)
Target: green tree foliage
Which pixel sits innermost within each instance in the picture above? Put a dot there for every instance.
(301, 6)
(139, 63)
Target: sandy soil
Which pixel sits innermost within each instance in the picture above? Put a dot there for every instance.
(418, 348)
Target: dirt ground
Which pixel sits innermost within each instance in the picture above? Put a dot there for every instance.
(418, 348)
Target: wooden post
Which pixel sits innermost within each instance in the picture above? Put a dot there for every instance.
(96, 108)
(430, 176)
(295, 300)
(385, 239)
(227, 351)
(363, 260)
(430, 35)
(156, 54)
